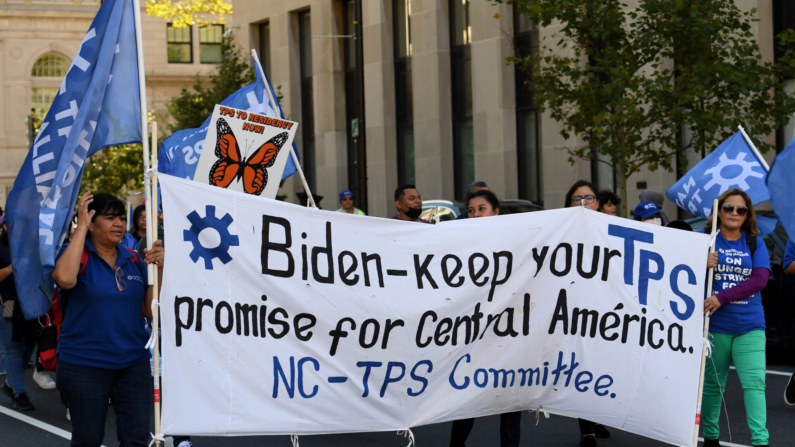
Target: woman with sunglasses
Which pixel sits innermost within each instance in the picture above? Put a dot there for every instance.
(584, 193)
(737, 322)
(102, 351)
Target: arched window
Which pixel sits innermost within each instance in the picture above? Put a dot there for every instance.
(50, 66)
(48, 72)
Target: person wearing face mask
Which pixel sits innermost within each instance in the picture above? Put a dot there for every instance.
(649, 213)
(484, 203)
(583, 193)
(408, 203)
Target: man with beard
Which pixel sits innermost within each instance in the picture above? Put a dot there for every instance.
(408, 203)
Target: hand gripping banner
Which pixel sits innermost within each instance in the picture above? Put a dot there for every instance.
(280, 319)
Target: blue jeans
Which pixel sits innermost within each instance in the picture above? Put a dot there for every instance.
(86, 391)
(17, 356)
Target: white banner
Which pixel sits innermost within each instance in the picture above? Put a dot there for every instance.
(279, 319)
(248, 151)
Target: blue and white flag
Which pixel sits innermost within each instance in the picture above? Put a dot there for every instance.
(733, 164)
(781, 184)
(179, 154)
(97, 106)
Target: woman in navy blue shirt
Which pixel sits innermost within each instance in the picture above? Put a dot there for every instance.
(102, 351)
(737, 322)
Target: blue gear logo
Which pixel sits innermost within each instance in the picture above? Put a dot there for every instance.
(198, 224)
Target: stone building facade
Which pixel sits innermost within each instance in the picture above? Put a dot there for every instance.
(386, 92)
(39, 38)
(440, 107)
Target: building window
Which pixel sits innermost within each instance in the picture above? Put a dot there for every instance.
(307, 99)
(528, 135)
(50, 66)
(461, 70)
(47, 72)
(180, 44)
(211, 37)
(265, 47)
(42, 98)
(354, 102)
(404, 102)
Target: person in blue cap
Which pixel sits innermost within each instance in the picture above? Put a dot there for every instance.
(648, 212)
(346, 204)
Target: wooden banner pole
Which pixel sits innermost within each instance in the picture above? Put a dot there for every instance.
(715, 230)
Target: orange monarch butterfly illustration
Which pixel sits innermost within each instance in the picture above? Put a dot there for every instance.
(232, 166)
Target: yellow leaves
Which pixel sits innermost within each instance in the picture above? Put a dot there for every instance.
(496, 15)
(181, 13)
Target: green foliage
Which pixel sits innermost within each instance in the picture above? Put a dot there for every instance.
(116, 170)
(192, 107)
(627, 80)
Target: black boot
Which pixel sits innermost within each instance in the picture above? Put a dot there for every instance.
(601, 432)
(587, 441)
(711, 443)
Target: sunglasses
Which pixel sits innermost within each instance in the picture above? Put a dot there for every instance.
(347, 198)
(729, 208)
(577, 200)
(120, 283)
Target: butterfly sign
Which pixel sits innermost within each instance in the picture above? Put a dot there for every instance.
(249, 151)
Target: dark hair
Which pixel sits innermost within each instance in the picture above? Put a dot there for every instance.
(750, 219)
(679, 225)
(136, 214)
(106, 205)
(472, 186)
(606, 196)
(574, 187)
(490, 197)
(401, 191)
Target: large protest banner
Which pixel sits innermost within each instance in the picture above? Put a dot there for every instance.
(279, 319)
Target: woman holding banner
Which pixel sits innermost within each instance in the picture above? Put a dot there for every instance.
(484, 203)
(101, 352)
(737, 323)
(583, 193)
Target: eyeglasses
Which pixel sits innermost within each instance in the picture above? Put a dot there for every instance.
(577, 200)
(120, 283)
(728, 208)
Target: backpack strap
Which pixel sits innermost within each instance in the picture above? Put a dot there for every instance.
(83, 260)
(135, 258)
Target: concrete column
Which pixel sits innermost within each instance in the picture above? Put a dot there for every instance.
(329, 97)
(379, 95)
(494, 97)
(433, 125)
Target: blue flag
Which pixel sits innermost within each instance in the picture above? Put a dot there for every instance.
(732, 165)
(97, 105)
(179, 154)
(781, 183)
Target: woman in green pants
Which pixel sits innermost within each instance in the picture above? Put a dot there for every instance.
(737, 326)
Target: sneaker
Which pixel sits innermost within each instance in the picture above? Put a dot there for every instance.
(185, 443)
(601, 432)
(44, 380)
(711, 443)
(789, 391)
(68, 416)
(7, 390)
(588, 441)
(22, 403)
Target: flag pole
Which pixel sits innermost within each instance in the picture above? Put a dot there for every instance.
(155, 293)
(753, 147)
(277, 108)
(144, 128)
(151, 272)
(706, 325)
